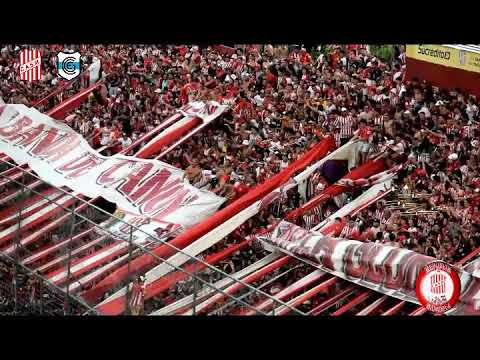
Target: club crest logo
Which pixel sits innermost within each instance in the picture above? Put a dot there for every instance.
(30, 65)
(438, 287)
(68, 65)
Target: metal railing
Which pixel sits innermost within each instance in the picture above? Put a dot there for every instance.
(50, 100)
(132, 248)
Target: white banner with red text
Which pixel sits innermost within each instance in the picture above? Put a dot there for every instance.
(387, 269)
(145, 189)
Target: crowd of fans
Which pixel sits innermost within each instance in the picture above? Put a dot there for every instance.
(24, 293)
(436, 139)
(282, 100)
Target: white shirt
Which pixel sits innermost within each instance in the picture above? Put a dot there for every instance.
(471, 111)
(275, 146)
(105, 137)
(331, 108)
(258, 100)
(126, 142)
(85, 127)
(379, 97)
(426, 111)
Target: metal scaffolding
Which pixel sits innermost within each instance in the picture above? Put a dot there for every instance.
(77, 218)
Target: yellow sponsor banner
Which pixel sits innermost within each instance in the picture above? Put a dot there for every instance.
(446, 56)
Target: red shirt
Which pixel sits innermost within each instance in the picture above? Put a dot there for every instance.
(476, 182)
(271, 78)
(134, 82)
(475, 201)
(335, 59)
(182, 50)
(96, 138)
(354, 46)
(305, 57)
(196, 58)
(338, 228)
(186, 90)
(419, 172)
(116, 136)
(232, 90)
(365, 133)
(244, 107)
(454, 165)
(220, 73)
(365, 235)
(240, 189)
(330, 92)
(147, 62)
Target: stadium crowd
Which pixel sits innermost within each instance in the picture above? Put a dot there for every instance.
(23, 293)
(282, 100)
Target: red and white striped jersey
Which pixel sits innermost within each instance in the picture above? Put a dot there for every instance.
(379, 121)
(315, 184)
(337, 138)
(137, 298)
(317, 210)
(346, 125)
(350, 232)
(450, 129)
(423, 157)
(467, 131)
(380, 216)
(310, 220)
(394, 100)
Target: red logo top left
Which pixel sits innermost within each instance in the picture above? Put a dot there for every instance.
(30, 65)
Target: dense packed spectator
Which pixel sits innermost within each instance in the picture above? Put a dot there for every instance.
(24, 293)
(282, 100)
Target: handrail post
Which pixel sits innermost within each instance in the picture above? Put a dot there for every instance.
(69, 260)
(195, 286)
(129, 276)
(41, 296)
(17, 243)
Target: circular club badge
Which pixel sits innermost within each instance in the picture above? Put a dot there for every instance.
(438, 287)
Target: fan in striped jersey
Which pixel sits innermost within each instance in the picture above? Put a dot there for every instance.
(310, 220)
(316, 184)
(316, 215)
(137, 296)
(350, 231)
(380, 215)
(423, 158)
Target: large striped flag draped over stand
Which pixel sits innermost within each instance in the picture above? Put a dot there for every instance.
(30, 65)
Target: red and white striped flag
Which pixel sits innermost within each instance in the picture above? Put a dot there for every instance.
(30, 65)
